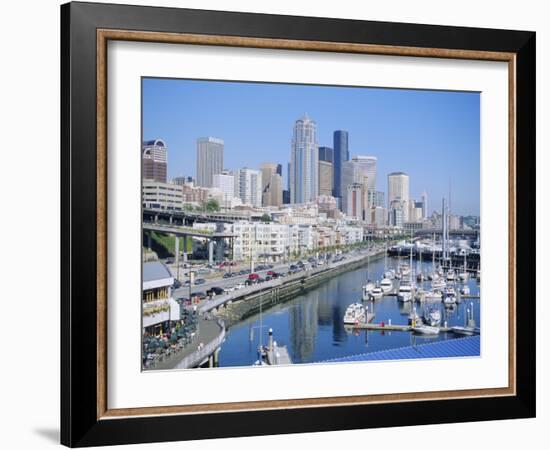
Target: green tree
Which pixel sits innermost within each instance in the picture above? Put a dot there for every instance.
(212, 205)
(266, 218)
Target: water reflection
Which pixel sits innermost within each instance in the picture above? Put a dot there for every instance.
(311, 325)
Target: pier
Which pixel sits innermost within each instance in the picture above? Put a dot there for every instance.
(387, 327)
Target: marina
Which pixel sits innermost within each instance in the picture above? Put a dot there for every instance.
(311, 325)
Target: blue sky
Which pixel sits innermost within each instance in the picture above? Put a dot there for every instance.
(431, 135)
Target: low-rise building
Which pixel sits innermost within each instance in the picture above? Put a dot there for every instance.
(159, 309)
(159, 195)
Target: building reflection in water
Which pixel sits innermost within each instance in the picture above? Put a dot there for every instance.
(303, 324)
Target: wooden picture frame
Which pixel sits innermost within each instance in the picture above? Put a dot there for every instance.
(85, 30)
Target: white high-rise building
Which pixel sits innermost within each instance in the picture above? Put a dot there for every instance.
(368, 165)
(424, 199)
(398, 190)
(248, 186)
(209, 160)
(225, 182)
(304, 162)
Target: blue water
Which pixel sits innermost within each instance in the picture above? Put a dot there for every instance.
(311, 325)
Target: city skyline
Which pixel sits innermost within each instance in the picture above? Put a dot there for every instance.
(405, 130)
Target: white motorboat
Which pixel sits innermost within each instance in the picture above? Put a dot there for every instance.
(426, 329)
(449, 295)
(376, 293)
(432, 317)
(451, 275)
(386, 285)
(404, 294)
(367, 289)
(355, 314)
(433, 296)
(438, 283)
(389, 274)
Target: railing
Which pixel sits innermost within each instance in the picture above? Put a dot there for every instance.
(222, 299)
(200, 355)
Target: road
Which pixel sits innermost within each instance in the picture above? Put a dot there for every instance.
(230, 282)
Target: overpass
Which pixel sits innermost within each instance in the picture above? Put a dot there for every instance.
(217, 239)
(184, 217)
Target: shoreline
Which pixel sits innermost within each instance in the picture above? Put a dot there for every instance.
(239, 310)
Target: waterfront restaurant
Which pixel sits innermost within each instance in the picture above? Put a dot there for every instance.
(159, 310)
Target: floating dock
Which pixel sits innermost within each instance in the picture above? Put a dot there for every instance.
(387, 327)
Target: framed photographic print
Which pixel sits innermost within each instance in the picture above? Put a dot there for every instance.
(278, 224)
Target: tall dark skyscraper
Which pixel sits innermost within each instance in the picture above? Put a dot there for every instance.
(326, 154)
(341, 154)
(280, 169)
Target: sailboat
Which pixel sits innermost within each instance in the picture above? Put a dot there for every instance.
(420, 274)
(406, 288)
(469, 328)
(369, 286)
(463, 276)
(386, 284)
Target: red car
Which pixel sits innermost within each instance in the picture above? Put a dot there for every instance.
(253, 276)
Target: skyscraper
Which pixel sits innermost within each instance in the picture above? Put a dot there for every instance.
(398, 191)
(225, 182)
(304, 170)
(154, 160)
(368, 167)
(368, 163)
(209, 160)
(326, 154)
(354, 178)
(248, 186)
(326, 177)
(341, 155)
(424, 199)
(272, 185)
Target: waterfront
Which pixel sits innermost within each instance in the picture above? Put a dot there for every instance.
(311, 325)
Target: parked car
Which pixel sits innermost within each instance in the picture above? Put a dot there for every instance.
(227, 275)
(200, 281)
(215, 290)
(239, 286)
(253, 276)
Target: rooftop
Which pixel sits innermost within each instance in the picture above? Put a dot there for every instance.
(155, 271)
(451, 348)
